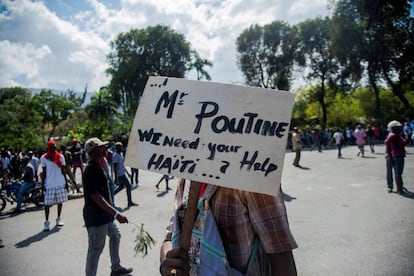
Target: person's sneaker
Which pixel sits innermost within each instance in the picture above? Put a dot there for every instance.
(122, 271)
(59, 222)
(16, 211)
(46, 226)
(132, 204)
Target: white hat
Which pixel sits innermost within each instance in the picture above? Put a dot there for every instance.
(93, 143)
(394, 123)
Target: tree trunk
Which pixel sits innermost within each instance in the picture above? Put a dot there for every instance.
(372, 81)
(397, 90)
(323, 105)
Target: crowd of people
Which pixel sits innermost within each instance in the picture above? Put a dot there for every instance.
(258, 242)
(395, 138)
(372, 134)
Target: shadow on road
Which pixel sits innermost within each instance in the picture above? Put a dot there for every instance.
(161, 194)
(36, 238)
(408, 194)
(287, 197)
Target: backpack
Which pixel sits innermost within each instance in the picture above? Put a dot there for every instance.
(212, 258)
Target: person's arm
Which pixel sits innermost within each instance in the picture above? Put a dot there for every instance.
(104, 205)
(283, 264)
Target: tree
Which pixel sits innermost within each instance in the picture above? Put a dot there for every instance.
(316, 49)
(102, 109)
(379, 34)
(266, 55)
(198, 64)
(140, 53)
(20, 123)
(54, 109)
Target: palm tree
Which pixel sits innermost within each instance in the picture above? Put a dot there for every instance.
(102, 106)
(198, 63)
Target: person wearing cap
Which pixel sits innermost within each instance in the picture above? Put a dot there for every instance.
(54, 180)
(99, 213)
(121, 180)
(395, 154)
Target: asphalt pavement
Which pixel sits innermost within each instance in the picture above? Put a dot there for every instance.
(341, 215)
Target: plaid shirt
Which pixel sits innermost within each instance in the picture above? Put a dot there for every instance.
(240, 216)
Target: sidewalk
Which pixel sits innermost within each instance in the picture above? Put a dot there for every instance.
(341, 215)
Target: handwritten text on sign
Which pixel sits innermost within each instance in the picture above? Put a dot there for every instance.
(228, 135)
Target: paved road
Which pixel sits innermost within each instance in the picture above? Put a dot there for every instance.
(343, 218)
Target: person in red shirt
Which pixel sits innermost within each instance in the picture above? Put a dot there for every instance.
(395, 154)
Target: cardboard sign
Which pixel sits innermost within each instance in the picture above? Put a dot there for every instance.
(228, 135)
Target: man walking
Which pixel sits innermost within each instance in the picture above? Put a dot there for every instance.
(120, 178)
(99, 213)
(338, 138)
(297, 146)
(53, 179)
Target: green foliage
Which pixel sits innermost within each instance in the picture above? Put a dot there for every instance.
(266, 55)
(380, 35)
(140, 53)
(198, 64)
(54, 109)
(143, 241)
(20, 123)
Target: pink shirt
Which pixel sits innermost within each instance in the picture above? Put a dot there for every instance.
(360, 136)
(395, 145)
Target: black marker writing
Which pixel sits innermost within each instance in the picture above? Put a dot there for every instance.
(249, 123)
(257, 166)
(159, 162)
(212, 147)
(159, 139)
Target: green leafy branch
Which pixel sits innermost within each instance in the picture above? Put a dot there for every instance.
(143, 241)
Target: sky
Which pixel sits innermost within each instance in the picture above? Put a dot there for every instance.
(62, 45)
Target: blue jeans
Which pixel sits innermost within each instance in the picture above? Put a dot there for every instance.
(96, 241)
(339, 147)
(124, 182)
(25, 187)
(396, 163)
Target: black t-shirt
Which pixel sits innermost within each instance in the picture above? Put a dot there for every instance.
(28, 174)
(95, 181)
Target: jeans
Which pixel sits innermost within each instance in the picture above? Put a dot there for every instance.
(124, 182)
(339, 147)
(396, 163)
(25, 187)
(96, 241)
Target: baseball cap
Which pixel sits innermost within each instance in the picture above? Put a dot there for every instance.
(93, 143)
(394, 123)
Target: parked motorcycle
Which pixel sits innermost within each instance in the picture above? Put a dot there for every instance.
(9, 191)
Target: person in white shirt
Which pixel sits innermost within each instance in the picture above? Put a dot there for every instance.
(54, 180)
(339, 138)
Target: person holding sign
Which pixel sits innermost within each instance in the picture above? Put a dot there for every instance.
(253, 229)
